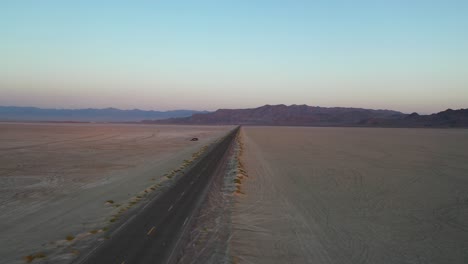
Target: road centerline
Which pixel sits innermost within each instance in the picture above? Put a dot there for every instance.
(151, 231)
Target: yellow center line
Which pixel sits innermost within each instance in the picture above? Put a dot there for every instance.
(151, 231)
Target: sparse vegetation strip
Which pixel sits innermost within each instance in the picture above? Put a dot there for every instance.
(241, 172)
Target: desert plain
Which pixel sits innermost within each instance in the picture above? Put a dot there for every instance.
(309, 195)
(62, 181)
(352, 195)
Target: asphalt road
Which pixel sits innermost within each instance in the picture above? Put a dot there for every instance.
(151, 235)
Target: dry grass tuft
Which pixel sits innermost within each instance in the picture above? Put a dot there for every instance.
(31, 258)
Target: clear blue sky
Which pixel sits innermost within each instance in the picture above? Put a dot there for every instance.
(402, 55)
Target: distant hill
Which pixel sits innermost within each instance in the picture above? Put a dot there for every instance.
(293, 115)
(447, 118)
(14, 113)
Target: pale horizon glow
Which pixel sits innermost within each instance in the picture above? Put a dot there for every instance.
(409, 56)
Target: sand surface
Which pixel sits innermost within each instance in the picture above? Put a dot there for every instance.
(55, 179)
(352, 195)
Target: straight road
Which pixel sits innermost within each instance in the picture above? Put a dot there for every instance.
(152, 234)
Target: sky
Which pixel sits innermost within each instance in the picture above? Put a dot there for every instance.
(410, 56)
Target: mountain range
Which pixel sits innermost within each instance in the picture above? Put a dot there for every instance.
(273, 115)
(15, 113)
(304, 115)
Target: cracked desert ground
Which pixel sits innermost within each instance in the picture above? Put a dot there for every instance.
(55, 179)
(352, 195)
